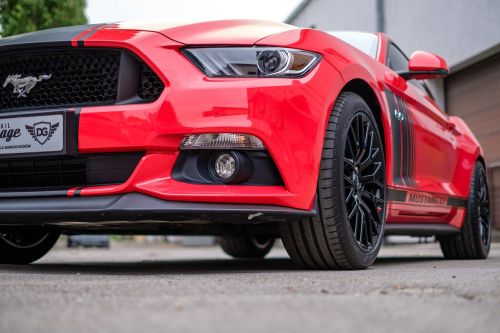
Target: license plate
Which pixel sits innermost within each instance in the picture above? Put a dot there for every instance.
(28, 135)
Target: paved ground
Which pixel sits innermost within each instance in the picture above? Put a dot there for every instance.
(160, 288)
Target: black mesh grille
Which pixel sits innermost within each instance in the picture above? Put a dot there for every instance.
(67, 171)
(76, 77)
(150, 85)
(72, 78)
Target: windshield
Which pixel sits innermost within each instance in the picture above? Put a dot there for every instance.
(364, 41)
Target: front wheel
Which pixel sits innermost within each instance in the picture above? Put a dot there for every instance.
(351, 194)
(25, 246)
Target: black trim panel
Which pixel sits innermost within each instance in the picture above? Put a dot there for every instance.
(420, 229)
(137, 207)
(256, 167)
(33, 194)
(409, 75)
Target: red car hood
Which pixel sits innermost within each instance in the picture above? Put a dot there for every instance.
(239, 32)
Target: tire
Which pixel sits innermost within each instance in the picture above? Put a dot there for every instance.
(475, 239)
(25, 247)
(240, 247)
(350, 198)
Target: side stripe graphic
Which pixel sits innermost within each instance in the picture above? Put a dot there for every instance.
(403, 141)
(424, 198)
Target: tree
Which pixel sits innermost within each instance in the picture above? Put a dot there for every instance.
(19, 16)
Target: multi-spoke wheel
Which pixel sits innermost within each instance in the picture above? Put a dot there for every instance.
(25, 246)
(351, 195)
(364, 181)
(252, 247)
(474, 241)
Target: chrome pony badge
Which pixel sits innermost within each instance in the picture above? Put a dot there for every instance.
(23, 85)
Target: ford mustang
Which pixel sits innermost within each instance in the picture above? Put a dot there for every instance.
(247, 130)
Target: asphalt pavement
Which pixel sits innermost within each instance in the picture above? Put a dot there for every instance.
(164, 288)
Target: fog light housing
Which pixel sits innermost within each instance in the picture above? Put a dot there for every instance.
(230, 167)
(221, 141)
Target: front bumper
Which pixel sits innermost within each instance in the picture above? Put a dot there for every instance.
(288, 115)
(136, 207)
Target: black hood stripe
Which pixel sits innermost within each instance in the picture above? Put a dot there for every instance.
(78, 41)
(57, 37)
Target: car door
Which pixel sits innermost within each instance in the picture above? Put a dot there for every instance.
(424, 145)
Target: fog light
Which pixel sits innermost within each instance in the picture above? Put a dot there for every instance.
(230, 167)
(225, 166)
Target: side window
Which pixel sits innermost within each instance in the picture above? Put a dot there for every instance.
(396, 60)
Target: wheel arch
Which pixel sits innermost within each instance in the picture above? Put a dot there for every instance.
(365, 91)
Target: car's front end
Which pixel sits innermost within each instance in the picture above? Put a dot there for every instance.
(126, 124)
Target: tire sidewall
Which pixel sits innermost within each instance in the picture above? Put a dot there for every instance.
(357, 255)
(472, 212)
(19, 256)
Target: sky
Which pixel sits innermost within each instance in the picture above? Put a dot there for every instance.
(101, 11)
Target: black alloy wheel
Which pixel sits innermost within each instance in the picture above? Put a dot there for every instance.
(483, 210)
(351, 195)
(475, 239)
(24, 246)
(364, 181)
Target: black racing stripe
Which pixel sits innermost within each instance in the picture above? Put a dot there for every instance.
(57, 37)
(457, 202)
(77, 120)
(413, 143)
(396, 195)
(80, 41)
(77, 192)
(408, 153)
(396, 146)
(404, 138)
(409, 142)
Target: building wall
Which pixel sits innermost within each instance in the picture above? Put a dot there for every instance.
(464, 32)
(338, 15)
(455, 29)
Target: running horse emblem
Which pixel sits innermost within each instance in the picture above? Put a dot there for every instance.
(23, 85)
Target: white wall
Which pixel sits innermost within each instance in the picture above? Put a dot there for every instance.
(339, 15)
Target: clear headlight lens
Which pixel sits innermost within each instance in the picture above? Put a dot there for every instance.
(252, 61)
(221, 141)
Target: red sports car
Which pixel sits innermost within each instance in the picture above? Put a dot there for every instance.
(247, 130)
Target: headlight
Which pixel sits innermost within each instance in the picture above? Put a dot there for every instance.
(252, 61)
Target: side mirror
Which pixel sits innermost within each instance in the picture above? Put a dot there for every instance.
(425, 65)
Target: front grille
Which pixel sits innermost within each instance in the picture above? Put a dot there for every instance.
(68, 77)
(66, 172)
(150, 85)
